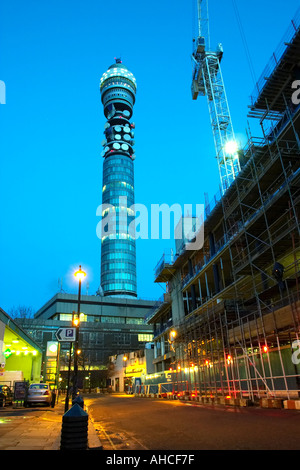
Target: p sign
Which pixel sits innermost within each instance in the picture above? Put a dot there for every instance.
(66, 334)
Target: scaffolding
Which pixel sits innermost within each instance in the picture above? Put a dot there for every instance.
(245, 355)
(240, 292)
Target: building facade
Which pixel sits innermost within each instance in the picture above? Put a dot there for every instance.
(128, 371)
(118, 250)
(229, 324)
(108, 326)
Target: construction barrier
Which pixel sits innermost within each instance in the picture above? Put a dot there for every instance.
(198, 399)
(271, 402)
(291, 404)
(241, 402)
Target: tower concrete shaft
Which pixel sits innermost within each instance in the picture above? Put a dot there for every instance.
(118, 249)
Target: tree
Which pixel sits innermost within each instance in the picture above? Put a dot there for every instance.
(21, 312)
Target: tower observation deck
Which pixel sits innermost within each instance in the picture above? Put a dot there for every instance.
(118, 250)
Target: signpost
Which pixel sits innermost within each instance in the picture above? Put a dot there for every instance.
(66, 334)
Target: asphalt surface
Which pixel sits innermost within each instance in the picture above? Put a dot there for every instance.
(126, 422)
(121, 422)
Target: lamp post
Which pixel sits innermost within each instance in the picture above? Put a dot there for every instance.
(125, 359)
(80, 275)
(173, 334)
(68, 383)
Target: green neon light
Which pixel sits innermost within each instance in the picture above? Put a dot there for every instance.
(7, 353)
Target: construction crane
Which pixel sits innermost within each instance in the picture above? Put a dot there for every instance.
(208, 81)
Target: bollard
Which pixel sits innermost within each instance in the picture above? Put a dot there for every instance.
(79, 401)
(74, 433)
(53, 398)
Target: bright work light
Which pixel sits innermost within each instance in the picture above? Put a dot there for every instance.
(231, 147)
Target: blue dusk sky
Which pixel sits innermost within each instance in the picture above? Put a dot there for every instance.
(52, 55)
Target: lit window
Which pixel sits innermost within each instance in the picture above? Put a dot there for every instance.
(65, 316)
(145, 337)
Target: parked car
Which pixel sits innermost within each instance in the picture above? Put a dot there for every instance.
(6, 395)
(38, 394)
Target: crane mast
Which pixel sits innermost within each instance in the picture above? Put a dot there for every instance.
(208, 81)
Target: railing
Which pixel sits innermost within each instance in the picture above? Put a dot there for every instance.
(170, 258)
(276, 57)
(165, 298)
(279, 229)
(162, 329)
(166, 259)
(219, 245)
(212, 204)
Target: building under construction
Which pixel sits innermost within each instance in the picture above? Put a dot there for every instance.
(230, 321)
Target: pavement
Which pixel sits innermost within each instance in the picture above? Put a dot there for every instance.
(38, 428)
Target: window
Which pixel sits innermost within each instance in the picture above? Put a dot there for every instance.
(145, 337)
(112, 319)
(121, 339)
(134, 321)
(38, 387)
(69, 317)
(119, 255)
(65, 316)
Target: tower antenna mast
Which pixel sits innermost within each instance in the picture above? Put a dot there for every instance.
(208, 81)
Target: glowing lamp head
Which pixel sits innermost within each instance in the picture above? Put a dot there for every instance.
(80, 275)
(229, 359)
(231, 147)
(265, 348)
(173, 334)
(52, 348)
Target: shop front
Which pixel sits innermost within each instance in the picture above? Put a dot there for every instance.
(20, 356)
(125, 370)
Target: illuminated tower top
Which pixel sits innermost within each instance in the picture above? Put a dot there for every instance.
(118, 89)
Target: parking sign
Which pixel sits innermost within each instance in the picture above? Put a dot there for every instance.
(66, 334)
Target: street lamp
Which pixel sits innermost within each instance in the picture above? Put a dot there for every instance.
(173, 335)
(171, 341)
(125, 359)
(79, 275)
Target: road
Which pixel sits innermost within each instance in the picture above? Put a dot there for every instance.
(126, 422)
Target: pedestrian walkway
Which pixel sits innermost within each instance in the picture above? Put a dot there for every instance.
(37, 428)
